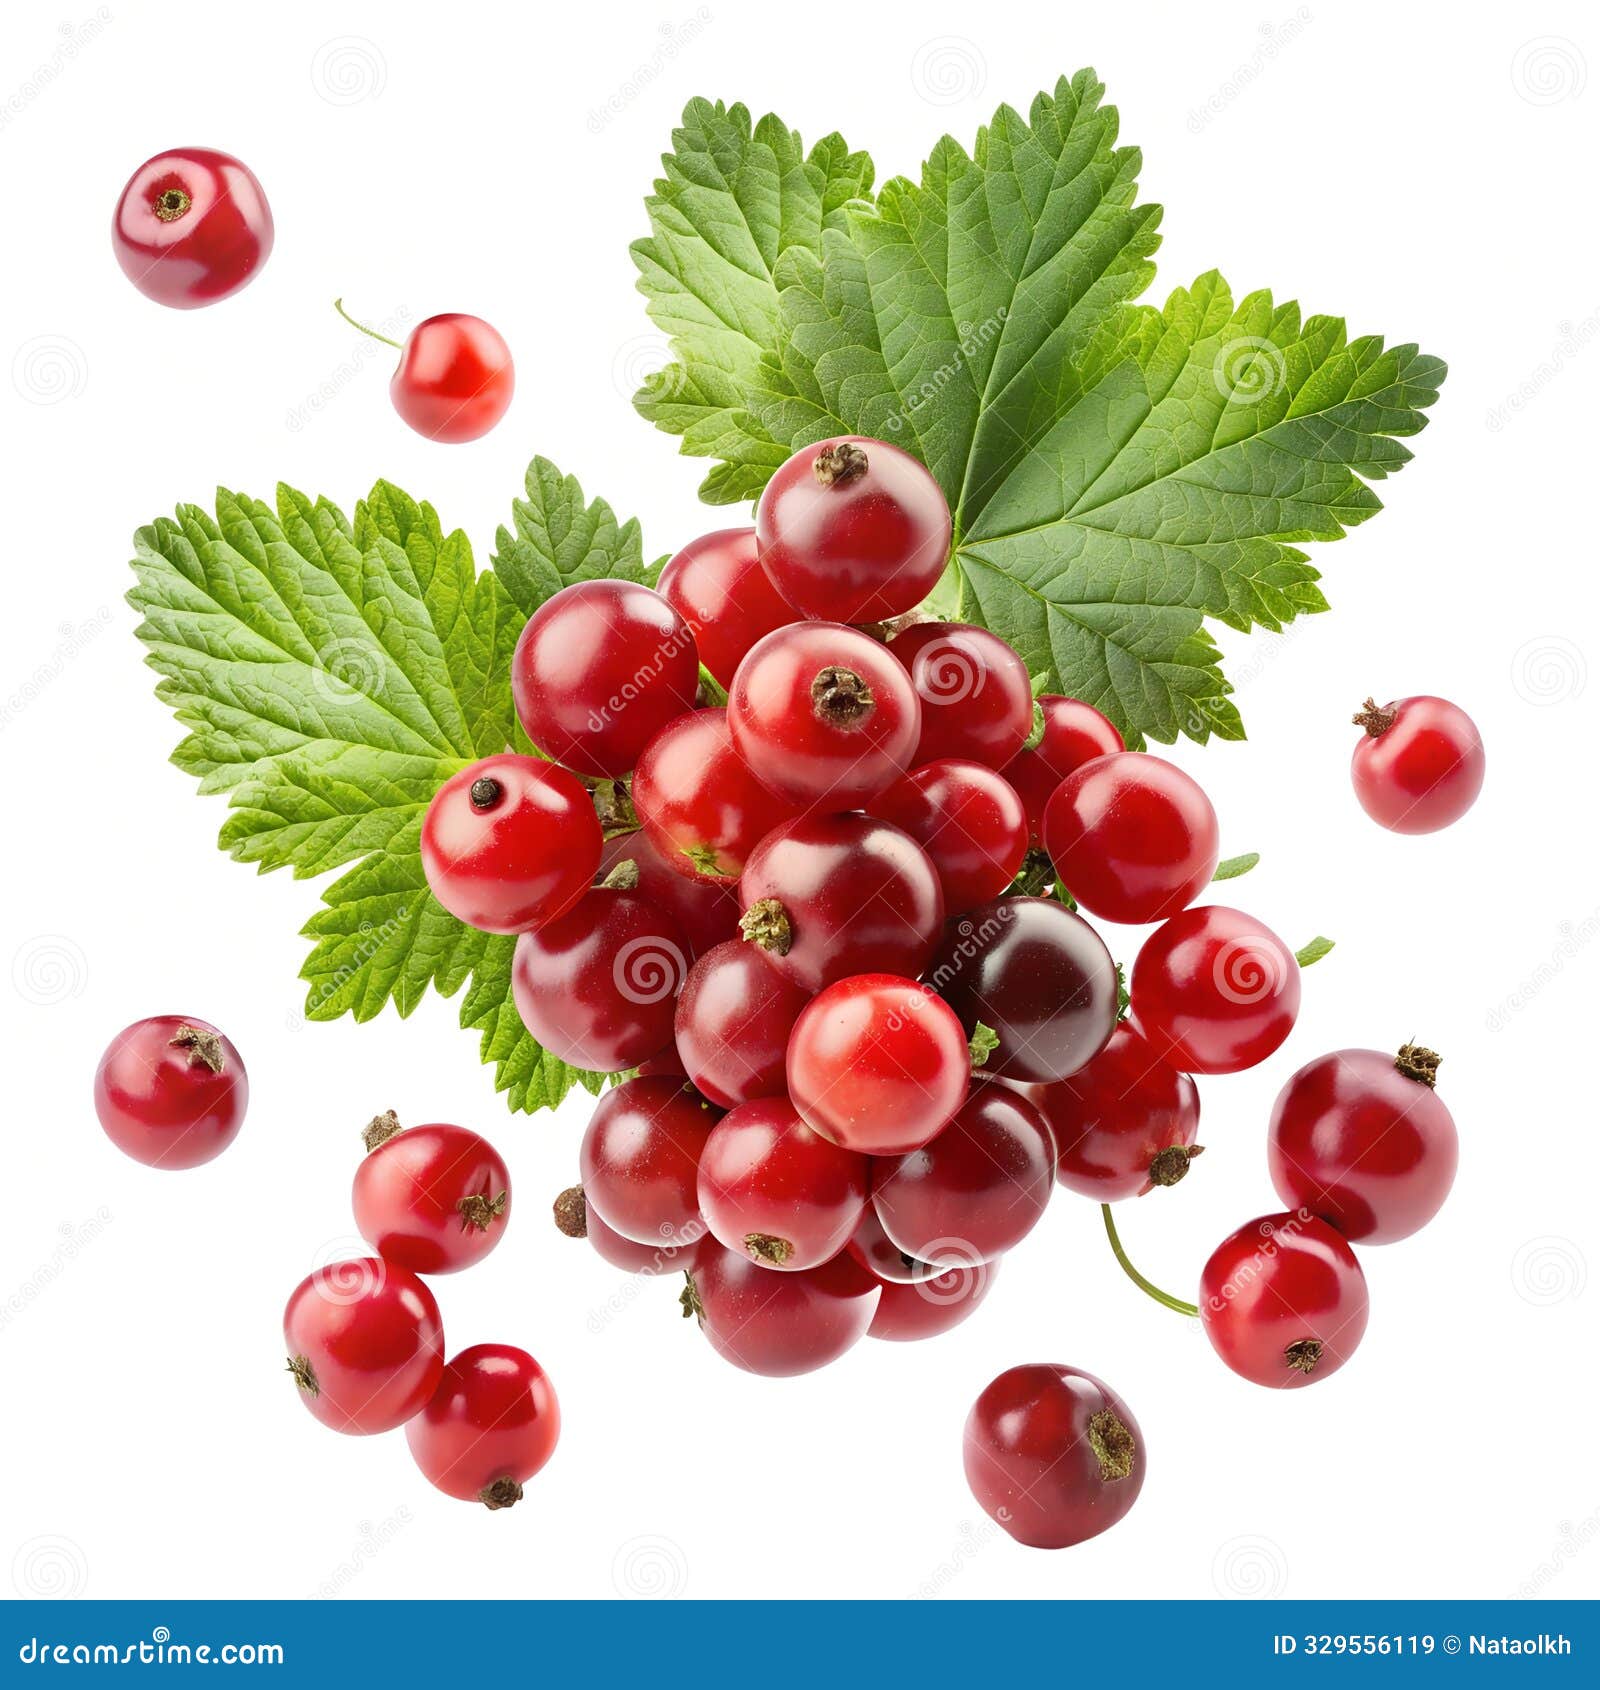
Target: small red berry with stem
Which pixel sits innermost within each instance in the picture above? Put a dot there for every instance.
(732, 1024)
(1420, 765)
(717, 585)
(191, 227)
(640, 1157)
(171, 1091)
(432, 1198)
(510, 843)
(968, 820)
(455, 378)
(1361, 1138)
(1053, 1454)
(977, 700)
(1067, 734)
(853, 529)
(490, 1426)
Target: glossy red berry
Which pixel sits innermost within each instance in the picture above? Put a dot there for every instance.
(717, 585)
(704, 811)
(780, 1324)
(934, 1304)
(640, 1157)
(706, 914)
(771, 1187)
(824, 715)
(577, 1219)
(365, 1344)
(599, 671)
(1125, 1122)
(1419, 765)
(490, 1426)
(968, 820)
(191, 227)
(1075, 733)
(1215, 991)
(1284, 1301)
(830, 896)
(434, 1198)
(596, 986)
(1133, 838)
(732, 1025)
(878, 1064)
(976, 1189)
(878, 1253)
(454, 380)
(977, 700)
(1053, 1455)
(1037, 976)
(510, 843)
(1362, 1139)
(853, 529)
(171, 1091)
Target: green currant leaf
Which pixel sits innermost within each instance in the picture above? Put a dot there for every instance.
(1314, 951)
(1230, 868)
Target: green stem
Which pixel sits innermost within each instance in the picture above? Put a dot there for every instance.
(1165, 1298)
(338, 306)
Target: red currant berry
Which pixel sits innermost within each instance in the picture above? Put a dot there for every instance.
(576, 1219)
(1420, 765)
(773, 1188)
(455, 378)
(1037, 976)
(878, 1064)
(1134, 838)
(1284, 1301)
(878, 1253)
(1125, 1122)
(365, 1344)
(968, 820)
(171, 1091)
(639, 1160)
(824, 715)
(830, 896)
(191, 227)
(853, 529)
(717, 585)
(732, 1025)
(599, 671)
(489, 1427)
(596, 986)
(976, 1189)
(1215, 991)
(1361, 1139)
(936, 1303)
(1053, 1455)
(1074, 734)
(510, 843)
(977, 700)
(698, 801)
(780, 1324)
(707, 915)
(434, 1199)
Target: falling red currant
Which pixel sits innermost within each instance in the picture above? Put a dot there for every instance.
(1419, 766)
(191, 227)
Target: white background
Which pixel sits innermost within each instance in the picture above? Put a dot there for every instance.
(1429, 179)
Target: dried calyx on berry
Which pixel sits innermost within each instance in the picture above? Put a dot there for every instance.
(1419, 1063)
(1169, 1166)
(1303, 1354)
(1375, 718)
(380, 1129)
(571, 1211)
(841, 697)
(204, 1047)
(485, 792)
(766, 923)
(835, 465)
